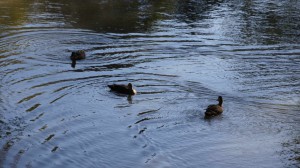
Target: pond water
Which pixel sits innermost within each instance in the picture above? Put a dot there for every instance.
(179, 55)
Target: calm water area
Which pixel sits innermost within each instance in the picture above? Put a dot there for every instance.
(179, 55)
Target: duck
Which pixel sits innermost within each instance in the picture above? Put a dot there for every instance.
(125, 89)
(215, 109)
(77, 55)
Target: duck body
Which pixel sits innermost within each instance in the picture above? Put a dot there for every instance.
(124, 89)
(215, 109)
(77, 55)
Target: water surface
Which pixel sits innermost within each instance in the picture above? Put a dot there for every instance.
(180, 56)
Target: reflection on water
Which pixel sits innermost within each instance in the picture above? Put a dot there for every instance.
(180, 55)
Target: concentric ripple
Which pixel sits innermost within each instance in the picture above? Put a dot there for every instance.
(53, 115)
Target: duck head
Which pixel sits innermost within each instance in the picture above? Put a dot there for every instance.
(131, 88)
(220, 100)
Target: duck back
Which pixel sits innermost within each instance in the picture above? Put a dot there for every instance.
(122, 89)
(213, 110)
(216, 109)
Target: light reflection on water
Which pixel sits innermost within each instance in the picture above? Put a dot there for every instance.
(179, 55)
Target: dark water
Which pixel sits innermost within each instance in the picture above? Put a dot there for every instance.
(179, 55)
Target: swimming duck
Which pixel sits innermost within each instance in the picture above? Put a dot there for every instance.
(215, 109)
(77, 55)
(125, 89)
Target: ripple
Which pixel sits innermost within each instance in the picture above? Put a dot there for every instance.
(178, 67)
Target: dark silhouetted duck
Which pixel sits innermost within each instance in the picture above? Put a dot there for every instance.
(125, 89)
(215, 109)
(77, 55)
